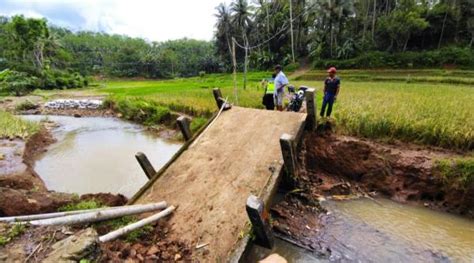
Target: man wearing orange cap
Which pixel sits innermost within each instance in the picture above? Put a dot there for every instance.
(331, 89)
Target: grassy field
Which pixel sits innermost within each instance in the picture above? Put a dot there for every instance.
(11, 126)
(432, 107)
(403, 106)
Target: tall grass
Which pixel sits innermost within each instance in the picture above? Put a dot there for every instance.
(11, 126)
(439, 115)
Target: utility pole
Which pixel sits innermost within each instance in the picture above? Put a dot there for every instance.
(234, 62)
(291, 30)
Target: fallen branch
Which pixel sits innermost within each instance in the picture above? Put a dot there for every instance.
(99, 215)
(33, 252)
(57, 214)
(129, 228)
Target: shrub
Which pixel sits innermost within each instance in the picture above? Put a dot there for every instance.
(19, 83)
(15, 231)
(26, 105)
(462, 57)
(82, 205)
(291, 67)
(139, 110)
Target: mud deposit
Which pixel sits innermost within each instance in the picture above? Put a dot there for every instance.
(339, 211)
(95, 154)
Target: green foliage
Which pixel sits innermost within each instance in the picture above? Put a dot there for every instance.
(404, 21)
(131, 237)
(82, 205)
(19, 83)
(15, 230)
(26, 105)
(457, 172)
(197, 123)
(463, 57)
(12, 126)
(140, 110)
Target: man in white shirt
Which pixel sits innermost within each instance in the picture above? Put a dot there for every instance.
(280, 82)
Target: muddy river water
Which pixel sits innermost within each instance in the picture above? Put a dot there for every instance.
(364, 230)
(96, 154)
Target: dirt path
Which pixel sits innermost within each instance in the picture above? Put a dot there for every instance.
(210, 182)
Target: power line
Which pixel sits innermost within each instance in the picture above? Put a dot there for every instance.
(284, 27)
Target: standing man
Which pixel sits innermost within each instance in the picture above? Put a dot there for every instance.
(280, 82)
(331, 90)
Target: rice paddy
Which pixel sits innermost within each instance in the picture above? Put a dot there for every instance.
(430, 107)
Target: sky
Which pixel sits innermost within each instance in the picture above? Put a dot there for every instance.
(153, 20)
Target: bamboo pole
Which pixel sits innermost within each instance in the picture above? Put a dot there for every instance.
(129, 228)
(11, 219)
(99, 215)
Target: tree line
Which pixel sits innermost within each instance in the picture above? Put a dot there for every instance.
(34, 54)
(343, 33)
(337, 30)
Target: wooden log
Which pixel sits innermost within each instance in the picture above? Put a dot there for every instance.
(129, 228)
(261, 227)
(183, 124)
(98, 215)
(145, 164)
(11, 219)
(310, 109)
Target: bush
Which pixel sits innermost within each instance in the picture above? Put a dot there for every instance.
(82, 205)
(461, 57)
(139, 110)
(14, 231)
(19, 83)
(26, 105)
(291, 67)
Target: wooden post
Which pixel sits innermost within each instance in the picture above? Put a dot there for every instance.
(261, 227)
(183, 124)
(145, 164)
(310, 109)
(218, 97)
(288, 152)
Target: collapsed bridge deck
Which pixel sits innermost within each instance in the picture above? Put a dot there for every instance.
(238, 154)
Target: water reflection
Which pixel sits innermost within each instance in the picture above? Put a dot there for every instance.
(95, 154)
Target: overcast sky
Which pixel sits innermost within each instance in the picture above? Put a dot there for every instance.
(155, 20)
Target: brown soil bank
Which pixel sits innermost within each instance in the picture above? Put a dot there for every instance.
(340, 165)
(22, 191)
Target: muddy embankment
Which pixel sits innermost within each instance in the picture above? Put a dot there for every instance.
(341, 167)
(22, 192)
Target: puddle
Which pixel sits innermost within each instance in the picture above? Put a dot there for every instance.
(96, 154)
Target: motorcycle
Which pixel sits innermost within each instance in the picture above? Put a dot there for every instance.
(296, 98)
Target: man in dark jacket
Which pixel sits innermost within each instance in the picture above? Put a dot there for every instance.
(331, 90)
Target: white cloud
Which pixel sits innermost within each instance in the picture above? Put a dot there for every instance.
(156, 20)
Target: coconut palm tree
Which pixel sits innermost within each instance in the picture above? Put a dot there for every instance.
(224, 26)
(242, 19)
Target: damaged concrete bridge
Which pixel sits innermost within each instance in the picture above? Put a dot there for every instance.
(241, 152)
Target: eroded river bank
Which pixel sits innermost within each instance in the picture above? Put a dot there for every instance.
(339, 208)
